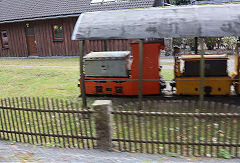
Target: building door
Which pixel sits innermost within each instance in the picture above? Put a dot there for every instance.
(31, 42)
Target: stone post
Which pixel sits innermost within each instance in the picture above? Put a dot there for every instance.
(103, 123)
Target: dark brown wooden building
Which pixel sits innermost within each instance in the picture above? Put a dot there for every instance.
(44, 27)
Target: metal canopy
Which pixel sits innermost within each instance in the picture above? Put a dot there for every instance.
(198, 21)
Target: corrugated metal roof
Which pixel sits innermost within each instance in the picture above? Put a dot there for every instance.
(158, 22)
(18, 10)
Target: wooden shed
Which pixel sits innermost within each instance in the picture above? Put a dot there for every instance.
(44, 27)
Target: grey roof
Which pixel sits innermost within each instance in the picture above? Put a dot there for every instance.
(21, 10)
(160, 22)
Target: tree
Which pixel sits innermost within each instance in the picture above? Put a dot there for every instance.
(211, 42)
(229, 42)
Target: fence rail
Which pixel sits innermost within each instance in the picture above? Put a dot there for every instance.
(187, 128)
(181, 127)
(46, 122)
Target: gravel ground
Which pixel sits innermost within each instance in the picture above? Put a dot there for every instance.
(18, 152)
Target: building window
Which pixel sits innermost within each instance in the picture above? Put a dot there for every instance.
(4, 39)
(57, 32)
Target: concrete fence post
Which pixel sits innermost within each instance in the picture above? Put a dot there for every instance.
(103, 123)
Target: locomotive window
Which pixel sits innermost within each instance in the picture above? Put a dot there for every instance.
(212, 68)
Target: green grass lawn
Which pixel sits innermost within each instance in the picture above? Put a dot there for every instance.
(168, 74)
(54, 78)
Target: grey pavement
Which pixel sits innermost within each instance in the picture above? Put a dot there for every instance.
(19, 152)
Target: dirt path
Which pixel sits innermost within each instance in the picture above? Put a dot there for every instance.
(14, 152)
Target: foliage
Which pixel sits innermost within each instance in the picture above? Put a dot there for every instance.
(177, 42)
(211, 42)
(180, 2)
(225, 154)
(191, 43)
(229, 42)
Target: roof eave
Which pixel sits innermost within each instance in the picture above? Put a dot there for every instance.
(40, 18)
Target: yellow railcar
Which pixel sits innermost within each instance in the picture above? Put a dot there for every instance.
(236, 74)
(187, 75)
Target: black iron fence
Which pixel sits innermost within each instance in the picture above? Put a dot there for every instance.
(187, 128)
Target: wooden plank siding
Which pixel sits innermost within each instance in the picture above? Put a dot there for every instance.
(16, 40)
(45, 44)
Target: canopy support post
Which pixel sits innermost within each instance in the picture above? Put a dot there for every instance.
(140, 78)
(196, 45)
(202, 69)
(82, 82)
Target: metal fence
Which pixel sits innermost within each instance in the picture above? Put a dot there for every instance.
(187, 128)
(46, 121)
(180, 127)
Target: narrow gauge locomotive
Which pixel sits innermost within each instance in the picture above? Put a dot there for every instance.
(216, 81)
(116, 72)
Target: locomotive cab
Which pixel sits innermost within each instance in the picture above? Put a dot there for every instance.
(187, 75)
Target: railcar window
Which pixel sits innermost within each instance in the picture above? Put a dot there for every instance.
(212, 68)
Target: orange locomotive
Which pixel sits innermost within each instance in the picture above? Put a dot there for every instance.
(116, 73)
